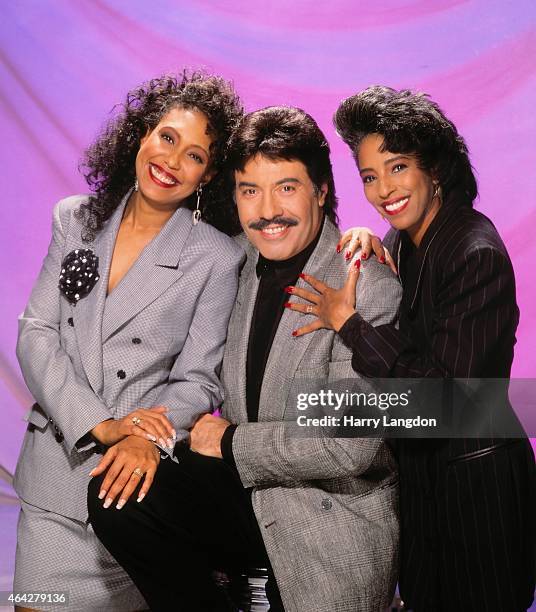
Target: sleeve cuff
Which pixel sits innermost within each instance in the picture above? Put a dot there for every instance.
(226, 445)
(353, 329)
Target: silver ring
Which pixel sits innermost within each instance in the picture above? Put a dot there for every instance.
(136, 420)
(309, 309)
(137, 472)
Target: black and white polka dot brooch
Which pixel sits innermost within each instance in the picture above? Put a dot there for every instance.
(79, 274)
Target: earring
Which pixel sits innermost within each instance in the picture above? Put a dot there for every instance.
(437, 191)
(136, 184)
(196, 215)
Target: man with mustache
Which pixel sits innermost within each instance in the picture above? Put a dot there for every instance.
(319, 511)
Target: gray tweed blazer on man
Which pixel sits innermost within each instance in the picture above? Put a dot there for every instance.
(327, 507)
(157, 339)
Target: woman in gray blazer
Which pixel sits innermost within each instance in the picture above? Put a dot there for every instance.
(122, 338)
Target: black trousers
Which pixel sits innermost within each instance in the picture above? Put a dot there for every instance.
(196, 518)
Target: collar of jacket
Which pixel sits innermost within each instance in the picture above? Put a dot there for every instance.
(393, 241)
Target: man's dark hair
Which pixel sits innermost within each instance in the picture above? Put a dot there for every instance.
(285, 133)
(109, 163)
(411, 123)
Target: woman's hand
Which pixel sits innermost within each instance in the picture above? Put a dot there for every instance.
(364, 238)
(127, 462)
(149, 424)
(332, 307)
(206, 435)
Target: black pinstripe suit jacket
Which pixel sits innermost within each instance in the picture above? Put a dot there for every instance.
(467, 505)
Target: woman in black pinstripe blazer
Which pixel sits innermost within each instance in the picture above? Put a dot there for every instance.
(467, 505)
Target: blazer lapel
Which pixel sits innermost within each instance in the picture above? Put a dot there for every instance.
(238, 338)
(287, 351)
(153, 272)
(88, 312)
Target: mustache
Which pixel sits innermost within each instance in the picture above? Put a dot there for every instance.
(263, 223)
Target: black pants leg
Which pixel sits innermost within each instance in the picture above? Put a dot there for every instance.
(196, 517)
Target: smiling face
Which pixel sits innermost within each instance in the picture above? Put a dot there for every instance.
(174, 158)
(279, 207)
(398, 189)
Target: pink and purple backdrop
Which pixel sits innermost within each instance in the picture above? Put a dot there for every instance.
(64, 64)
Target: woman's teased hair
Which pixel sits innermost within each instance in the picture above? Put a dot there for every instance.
(411, 123)
(109, 163)
(284, 132)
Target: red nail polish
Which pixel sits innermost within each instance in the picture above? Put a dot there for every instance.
(294, 333)
(357, 263)
(287, 304)
(364, 256)
(302, 275)
(289, 289)
(347, 255)
(338, 248)
(382, 259)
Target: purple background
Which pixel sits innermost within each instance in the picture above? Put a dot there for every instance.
(65, 64)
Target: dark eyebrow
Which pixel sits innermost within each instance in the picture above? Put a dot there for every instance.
(280, 182)
(246, 184)
(385, 163)
(287, 180)
(170, 127)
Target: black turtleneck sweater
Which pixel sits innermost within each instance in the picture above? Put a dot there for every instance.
(269, 306)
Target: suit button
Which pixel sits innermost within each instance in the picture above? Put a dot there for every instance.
(121, 374)
(136, 340)
(70, 321)
(327, 504)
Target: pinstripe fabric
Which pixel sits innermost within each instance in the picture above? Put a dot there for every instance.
(467, 525)
(82, 366)
(327, 508)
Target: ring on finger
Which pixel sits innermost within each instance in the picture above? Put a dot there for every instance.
(137, 472)
(136, 420)
(309, 309)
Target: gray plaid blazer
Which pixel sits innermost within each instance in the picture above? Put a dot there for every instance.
(157, 339)
(327, 507)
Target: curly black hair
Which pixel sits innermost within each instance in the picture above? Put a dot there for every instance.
(109, 163)
(411, 123)
(289, 133)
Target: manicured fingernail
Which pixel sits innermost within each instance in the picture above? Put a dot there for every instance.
(288, 304)
(162, 442)
(364, 256)
(347, 255)
(150, 437)
(121, 503)
(91, 473)
(294, 333)
(382, 259)
(102, 494)
(357, 263)
(141, 496)
(302, 275)
(174, 434)
(289, 289)
(108, 502)
(170, 443)
(338, 248)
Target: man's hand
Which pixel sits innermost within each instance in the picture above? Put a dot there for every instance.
(148, 424)
(206, 435)
(127, 462)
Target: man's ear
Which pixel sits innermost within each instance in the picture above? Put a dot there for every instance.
(322, 193)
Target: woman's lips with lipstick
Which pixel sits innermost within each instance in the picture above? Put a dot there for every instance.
(161, 177)
(393, 207)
